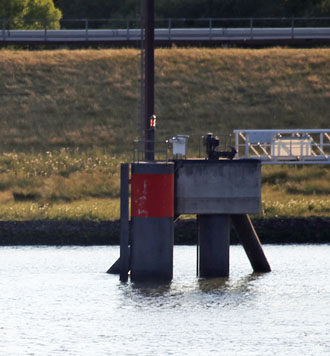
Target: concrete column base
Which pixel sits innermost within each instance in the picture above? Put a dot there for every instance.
(152, 249)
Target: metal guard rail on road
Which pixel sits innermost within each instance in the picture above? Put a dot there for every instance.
(284, 146)
(214, 30)
(239, 34)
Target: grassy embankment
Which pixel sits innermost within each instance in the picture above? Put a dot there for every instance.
(68, 119)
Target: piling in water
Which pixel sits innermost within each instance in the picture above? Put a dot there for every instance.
(152, 212)
(213, 245)
(250, 241)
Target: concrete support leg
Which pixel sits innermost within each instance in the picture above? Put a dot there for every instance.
(250, 241)
(213, 245)
(115, 267)
(152, 249)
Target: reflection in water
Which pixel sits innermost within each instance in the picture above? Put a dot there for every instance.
(151, 289)
(192, 294)
(242, 285)
(227, 291)
(147, 295)
(213, 285)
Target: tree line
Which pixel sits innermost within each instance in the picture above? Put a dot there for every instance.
(103, 9)
(24, 13)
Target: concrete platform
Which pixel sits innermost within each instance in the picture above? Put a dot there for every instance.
(217, 187)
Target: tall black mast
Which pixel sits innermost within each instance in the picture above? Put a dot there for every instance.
(149, 124)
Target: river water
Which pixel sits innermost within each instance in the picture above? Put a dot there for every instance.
(60, 301)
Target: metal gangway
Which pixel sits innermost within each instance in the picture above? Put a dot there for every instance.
(288, 146)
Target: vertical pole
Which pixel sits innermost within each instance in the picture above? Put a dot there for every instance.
(247, 141)
(198, 244)
(149, 26)
(45, 29)
(124, 229)
(4, 29)
(210, 28)
(237, 143)
(86, 29)
(142, 81)
(251, 28)
(321, 141)
(127, 29)
(292, 28)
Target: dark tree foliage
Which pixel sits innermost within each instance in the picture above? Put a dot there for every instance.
(194, 8)
(91, 9)
(27, 13)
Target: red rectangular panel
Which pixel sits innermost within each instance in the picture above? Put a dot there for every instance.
(152, 195)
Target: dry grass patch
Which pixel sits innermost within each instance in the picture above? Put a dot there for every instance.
(296, 191)
(86, 209)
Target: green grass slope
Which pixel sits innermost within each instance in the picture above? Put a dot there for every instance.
(68, 118)
(91, 97)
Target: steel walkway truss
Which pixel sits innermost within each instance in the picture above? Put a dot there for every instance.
(284, 146)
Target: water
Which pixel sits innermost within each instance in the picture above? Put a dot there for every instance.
(59, 301)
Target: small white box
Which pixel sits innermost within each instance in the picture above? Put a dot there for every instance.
(291, 147)
(179, 143)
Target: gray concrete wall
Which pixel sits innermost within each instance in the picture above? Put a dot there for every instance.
(218, 187)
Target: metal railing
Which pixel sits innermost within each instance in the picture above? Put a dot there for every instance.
(171, 29)
(284, 146)
(168, 23)
(292, 146)
(180, 147)
(161, 150)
